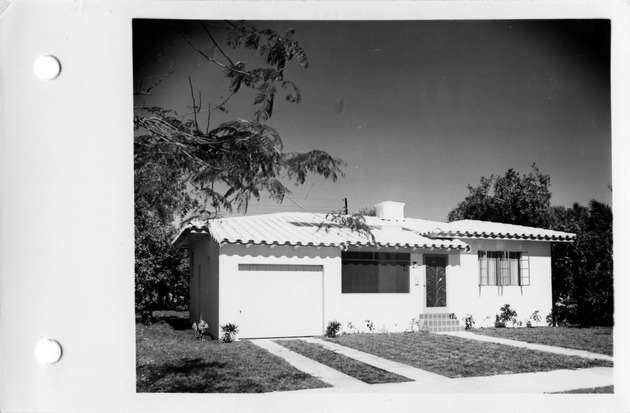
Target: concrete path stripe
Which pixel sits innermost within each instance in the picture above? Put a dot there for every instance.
(388, 365)
(524, 383)
(312, 367)
(531, 346)
(541, 382)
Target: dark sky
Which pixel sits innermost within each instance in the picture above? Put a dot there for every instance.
(419, 109)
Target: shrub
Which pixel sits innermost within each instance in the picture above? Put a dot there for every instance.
(200, 328)
(228, 332)
(370, 325)
(352, 328)
(498, 323)
(416, 324)
(566, 311)
(550, 319)
(468, 322)
(508, 315)
(535, 317)
(332, 329)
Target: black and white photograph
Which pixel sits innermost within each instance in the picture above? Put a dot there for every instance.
(373, 206)
(314, 206)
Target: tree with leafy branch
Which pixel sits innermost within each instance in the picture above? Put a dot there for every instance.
(583, 287)
(368, 211)
(582, 271)
(184, 171)
(514, 198)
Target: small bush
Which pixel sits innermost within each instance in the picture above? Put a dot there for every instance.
(508, 315)
(228, 332)
(498, 323)
(352, 329)
(550, 319)
(332, 330)
(468, 322)
(535, 317)
(565, 311)
(416, 324)
(370, 325)
(200, 329)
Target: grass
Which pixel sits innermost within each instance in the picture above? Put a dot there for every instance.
(170, 360)
(593, 339)
(603, 390)
(351, 367)
(459, 357)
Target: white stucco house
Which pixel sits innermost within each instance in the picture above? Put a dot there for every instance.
(280, 275)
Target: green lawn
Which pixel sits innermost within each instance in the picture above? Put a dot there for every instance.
(594, 339)
(351, 367)
(169, 359)
(459, 357)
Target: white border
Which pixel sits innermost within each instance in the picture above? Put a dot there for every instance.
(66, 209)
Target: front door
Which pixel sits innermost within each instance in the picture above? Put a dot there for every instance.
(435, 280)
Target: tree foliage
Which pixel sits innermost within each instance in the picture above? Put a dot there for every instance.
(368, 211)
(582, 272)
(514, 198)
(183, 171)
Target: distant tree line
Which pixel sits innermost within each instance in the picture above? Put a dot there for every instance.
(582, 271)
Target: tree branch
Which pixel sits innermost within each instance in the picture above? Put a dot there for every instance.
(215, 42)
(147, 91)
(208, 58)
(192, 94)
(220, 105)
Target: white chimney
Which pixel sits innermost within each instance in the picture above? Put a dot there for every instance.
(390, 210)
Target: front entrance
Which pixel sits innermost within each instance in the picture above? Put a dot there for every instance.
(435, 285)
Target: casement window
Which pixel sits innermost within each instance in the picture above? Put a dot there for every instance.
(374, 272)
(503, 268)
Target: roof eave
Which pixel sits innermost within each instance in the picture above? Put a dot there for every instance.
(344, 245)
(509, 237)
(185, 234)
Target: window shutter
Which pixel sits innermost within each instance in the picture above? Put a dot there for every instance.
(524, 264)
(483, 268)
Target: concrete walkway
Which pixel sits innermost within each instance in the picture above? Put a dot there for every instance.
(531, 346)
(315, 369)
(428, 382)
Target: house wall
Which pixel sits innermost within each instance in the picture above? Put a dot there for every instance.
(387, 311)
(392, 312)
(204, 282)
(484, 302)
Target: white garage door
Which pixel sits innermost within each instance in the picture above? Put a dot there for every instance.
(280, 300)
